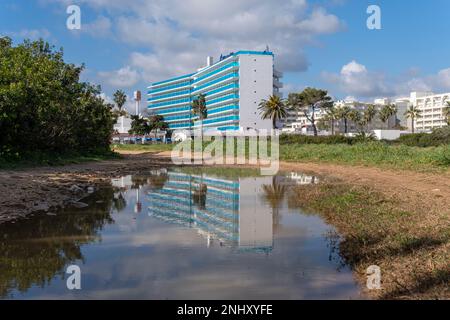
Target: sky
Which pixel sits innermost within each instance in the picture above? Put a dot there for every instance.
(127, 44)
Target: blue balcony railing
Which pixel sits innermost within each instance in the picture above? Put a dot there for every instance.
(228, 76)
(178, 93)
(227, 66)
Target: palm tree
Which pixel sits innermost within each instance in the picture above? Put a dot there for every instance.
(157, 123)
(342, 114)
(274, 195)
(331, 116)
(199, 109)
(356, 117)
(386, 112)
(274, 108)
(310, 101)
(120, 98)
(368, 115)
(412, 112)
(446, 113)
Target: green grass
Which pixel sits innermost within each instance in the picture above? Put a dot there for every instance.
(229, 173)
(44, 159)
(376, 154)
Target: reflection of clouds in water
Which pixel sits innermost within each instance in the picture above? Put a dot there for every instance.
(182, 268)
(178, 266)
(210, 275)
(141, 257)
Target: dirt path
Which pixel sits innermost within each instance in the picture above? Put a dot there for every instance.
(431, 191)
(24, 192)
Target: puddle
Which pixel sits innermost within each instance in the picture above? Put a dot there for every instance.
(179, 235)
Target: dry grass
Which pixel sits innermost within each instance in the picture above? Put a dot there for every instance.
(409, 244)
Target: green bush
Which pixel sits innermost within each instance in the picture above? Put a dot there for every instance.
(438, 137)
(303, 139)
(44, 108)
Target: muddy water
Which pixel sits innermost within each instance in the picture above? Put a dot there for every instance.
(178, 235)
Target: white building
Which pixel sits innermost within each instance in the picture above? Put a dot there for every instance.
(123, 125)
(234, 86)
(432, 107)
(298, 122)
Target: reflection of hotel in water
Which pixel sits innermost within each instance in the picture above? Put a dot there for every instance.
(225, 212)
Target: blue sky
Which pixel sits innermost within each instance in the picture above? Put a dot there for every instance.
(326, 44)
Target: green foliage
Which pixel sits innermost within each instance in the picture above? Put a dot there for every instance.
(365, 137)
(44, 108)
(144, 126)
(386, 112)
(309, 101)
(157, 123)
(378, 154)
(120, 98)
(343, 113)
(274, 108)
(139, 126)
(446, 113)
(438, 137)
(413, 113)
(199, 107)
(302, 139)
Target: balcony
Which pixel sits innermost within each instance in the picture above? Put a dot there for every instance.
(233, 66)
(220, 81)
(277, 83)
(277, 73)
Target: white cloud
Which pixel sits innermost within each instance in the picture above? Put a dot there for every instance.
(185, 32)
(443, 78)
(122, 78)
(355, 79)
(101, 27)
(32, 34)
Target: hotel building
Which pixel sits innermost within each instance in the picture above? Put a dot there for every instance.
(234, 87)
(432, 107)
(298, 122)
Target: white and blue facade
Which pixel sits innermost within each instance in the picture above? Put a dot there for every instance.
(233, 87)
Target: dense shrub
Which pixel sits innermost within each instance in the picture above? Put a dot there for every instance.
(44, 108)
(303, 139)
(436, 138)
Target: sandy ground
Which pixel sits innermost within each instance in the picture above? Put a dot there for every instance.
(35, 190)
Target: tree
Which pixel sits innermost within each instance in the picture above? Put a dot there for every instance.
(309, 101)
(386, 112)
(199, 109)
(342, 114)
(446, 113)
(120, 98)
(274, 108)
(144, 126)
(368, 115)
(157, 123)
(331, 116)
(139, 126)
(44, 107)
(412, 112)
(356, 117)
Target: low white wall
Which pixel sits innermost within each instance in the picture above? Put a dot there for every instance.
(387, 134)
